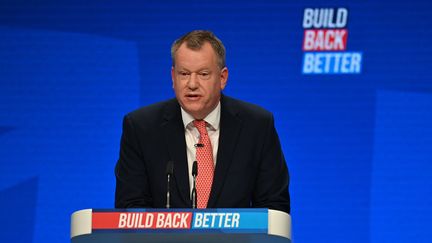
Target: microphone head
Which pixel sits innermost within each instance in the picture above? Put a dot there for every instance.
(194, 168)
(170, 168)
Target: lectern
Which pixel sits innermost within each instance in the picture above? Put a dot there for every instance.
(180, 225)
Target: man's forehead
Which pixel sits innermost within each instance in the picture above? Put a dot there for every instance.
(202, 58)
(181, 68)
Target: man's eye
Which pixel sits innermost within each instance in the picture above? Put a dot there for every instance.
(204, 75)
(184, 73)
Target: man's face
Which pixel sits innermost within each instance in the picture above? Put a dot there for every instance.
(198, 80)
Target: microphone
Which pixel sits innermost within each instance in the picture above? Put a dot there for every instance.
(169, 173)
(194, 192)
(199, 145)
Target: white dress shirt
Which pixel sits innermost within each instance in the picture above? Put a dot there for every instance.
(192, 136)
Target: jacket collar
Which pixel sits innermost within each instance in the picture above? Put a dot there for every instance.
(173, 132)
(230, 127)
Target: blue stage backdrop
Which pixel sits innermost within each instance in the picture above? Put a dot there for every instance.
(349, 83)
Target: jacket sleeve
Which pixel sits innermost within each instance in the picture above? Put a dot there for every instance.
(271, 187)
(132, 187)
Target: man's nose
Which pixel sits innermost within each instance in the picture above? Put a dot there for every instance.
(193, 82)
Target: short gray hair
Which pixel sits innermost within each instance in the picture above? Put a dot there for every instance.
(195, 40)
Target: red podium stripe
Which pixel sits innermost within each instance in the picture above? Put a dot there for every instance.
(105, 220)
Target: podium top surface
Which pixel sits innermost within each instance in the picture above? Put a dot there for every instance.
(234, 224)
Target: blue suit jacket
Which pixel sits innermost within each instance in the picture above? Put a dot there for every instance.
(250, 169)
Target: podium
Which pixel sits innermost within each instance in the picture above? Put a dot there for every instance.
(180, 225)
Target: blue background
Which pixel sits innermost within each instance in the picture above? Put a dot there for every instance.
(358, 146)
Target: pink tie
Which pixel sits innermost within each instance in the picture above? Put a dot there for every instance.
(204, 156)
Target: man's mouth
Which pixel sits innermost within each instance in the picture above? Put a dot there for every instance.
(192, 96)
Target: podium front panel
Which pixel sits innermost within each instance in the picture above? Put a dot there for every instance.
(180, 225)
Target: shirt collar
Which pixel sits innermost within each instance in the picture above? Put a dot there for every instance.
(213, 118)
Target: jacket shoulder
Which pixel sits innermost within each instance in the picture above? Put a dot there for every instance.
(245, 109)
(155, 112)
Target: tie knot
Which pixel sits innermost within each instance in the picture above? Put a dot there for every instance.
(201, 126)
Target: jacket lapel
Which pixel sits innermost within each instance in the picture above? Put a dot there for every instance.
(230, 126)
(175, 139)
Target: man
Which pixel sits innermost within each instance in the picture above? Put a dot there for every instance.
(235, 144)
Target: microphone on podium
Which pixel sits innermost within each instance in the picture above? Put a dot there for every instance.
(194, 192)
(169, 173)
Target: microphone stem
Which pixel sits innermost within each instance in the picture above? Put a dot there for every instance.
(168, 191)
(194, 194)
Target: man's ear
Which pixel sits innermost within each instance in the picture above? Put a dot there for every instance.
(172, 76)
(224, 77)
